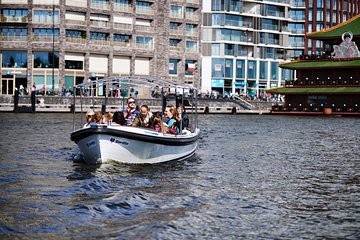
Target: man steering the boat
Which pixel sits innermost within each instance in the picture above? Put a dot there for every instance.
(131, 112)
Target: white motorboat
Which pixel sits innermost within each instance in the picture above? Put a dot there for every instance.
(101, 143)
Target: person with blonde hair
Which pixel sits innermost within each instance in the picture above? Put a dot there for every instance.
(172, 116)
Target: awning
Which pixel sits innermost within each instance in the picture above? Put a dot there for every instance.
(314, 90)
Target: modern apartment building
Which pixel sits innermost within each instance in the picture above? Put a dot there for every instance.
(59, 43)
(243, 41)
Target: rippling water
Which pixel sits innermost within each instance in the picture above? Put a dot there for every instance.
(253, 177)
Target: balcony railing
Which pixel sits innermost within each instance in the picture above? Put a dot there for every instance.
(14, 38)
(76, 40)
(275, 14)
(102, 24)
(14, 19)
(297, 44)
(193, 1)
(45, 38)
(144, 46)
(191, 50)
(14, 1)
(122, 44)
(175, 48)
(297, 31)
(176, 15)
(75, 22)
(176, 31)
(102, 42)
(192, 33)
(270, 27)
(123, 26)
(191, 16)
(269, 41)
(76, 3)
(142, 10)
(100, 5)
(142, 28)
(122, 7)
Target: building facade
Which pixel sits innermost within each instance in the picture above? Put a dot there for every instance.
(243, 41)
(54, 44)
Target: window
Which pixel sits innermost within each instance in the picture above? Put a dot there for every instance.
(71, 64)
(229, 49)
(75, 34)
(191, 46)
(122, 38)
(144, 42)
(173, 66)
(251, 69)
(174, 42)
(228, 68)
(240, 68)
(263, 70)
(14, 59)
(14, 14)
(11, 33)
(215, 49)
(98, 36)
(46, 16)
(176, 11)
(46, 60)
(274, 70)
(217, 68)
(46, 33)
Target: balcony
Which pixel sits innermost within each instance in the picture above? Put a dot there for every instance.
(100, 5)
(176, 31)
(175, 48)
(76, 40)
(275, 14)
(75, 22)
(192, 17)
(122, 44)
(176, 15)
(270, 27)
(122, 8)
(14, 19)
(192, 33)
(146, 11)
(269, 41)
(14, 1)
(45, 38)
(296, 44)
(148, 46)
(76, 3)
(123, 26)
(14, 38)
(101, 24)
(297, 31)
(147, 29)
(192, 1)
(102, 42)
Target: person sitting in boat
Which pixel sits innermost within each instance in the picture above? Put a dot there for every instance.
(99, 118)
(89, 118)
(118, 119)
(183, 119)
(171, 115)
(131, 112)
(143, 119)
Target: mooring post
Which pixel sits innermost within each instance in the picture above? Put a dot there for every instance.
(16, 101)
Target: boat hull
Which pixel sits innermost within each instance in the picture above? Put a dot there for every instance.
(133, 145)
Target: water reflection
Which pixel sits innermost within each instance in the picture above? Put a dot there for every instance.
(252, 177)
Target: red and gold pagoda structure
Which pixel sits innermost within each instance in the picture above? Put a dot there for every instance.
(327, 83)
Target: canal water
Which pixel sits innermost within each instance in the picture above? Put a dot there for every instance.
(252, 177)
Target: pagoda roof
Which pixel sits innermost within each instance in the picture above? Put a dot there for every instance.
(336, 31)
(333, 63)
(314, 90)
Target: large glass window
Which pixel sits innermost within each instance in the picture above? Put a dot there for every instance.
(75, 34)
(176, 11)
(191, 46)
(46, 59)
(46, 32)
(11, 34)
(217, 68)
(14, 15)
(45, 16)
(229, 49)
(274, 70)
(229, 35)
(98, 36)
(121, 38)
(251, 69)
(240, 68)
(263, 70)
(228, 68)
(173, 66)
(69, 82)
(14, 59)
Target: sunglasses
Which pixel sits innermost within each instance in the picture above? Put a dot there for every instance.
(131, 102)
(89, 115)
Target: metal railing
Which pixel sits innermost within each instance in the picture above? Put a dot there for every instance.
(75, 22)
(14, 38)
(76, 40)
(97, 23)
(123, 26)
(122, 7)
(14, 19)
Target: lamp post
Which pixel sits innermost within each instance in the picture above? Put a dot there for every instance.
(53, 49)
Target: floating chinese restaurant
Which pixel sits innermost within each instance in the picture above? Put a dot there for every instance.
(326, 83)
